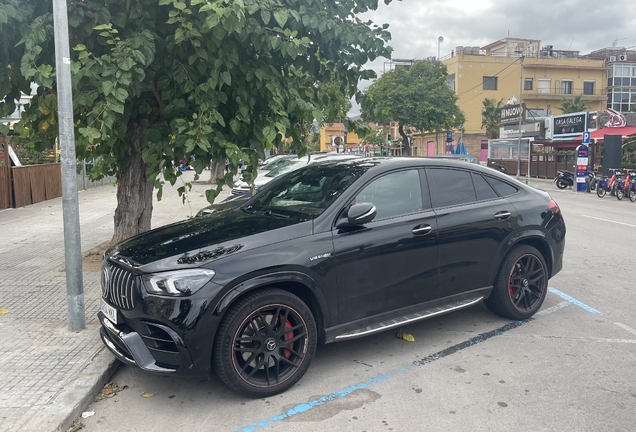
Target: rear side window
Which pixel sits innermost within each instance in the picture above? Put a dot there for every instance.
(450, 187)
(504, 189)
(483, 190)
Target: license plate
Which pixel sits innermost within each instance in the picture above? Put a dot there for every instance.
(108, 310)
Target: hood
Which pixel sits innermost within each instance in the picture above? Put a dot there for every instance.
(197, 241)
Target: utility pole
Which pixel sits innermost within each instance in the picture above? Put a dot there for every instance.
(520, 110)
(70, 206)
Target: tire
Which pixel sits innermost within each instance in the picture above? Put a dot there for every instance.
(632, 195)
(521, 284)
(265, 343)
(619, 194)
(600, 191)
(561, 184)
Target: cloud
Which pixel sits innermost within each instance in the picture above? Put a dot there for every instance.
(579, 25)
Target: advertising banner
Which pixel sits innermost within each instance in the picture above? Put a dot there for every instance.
(582, 153)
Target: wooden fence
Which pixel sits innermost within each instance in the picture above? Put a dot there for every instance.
(29, 184)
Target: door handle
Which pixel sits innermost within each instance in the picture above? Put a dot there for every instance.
(422, 229)
(502, 215)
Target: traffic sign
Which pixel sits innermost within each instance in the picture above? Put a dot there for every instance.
(586, 137)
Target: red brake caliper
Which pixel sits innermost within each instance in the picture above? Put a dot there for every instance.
(287, 336)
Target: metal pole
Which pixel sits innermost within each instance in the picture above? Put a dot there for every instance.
(70, 206)
(520, 108)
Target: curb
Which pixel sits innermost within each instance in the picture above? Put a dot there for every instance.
(76, 396)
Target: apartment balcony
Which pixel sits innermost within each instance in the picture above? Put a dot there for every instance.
(558, 94)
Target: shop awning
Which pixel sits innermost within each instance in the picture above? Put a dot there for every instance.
(622, 131)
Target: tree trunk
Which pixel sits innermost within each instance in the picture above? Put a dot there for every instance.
(405, 141)
(217, 170)
(134, 192)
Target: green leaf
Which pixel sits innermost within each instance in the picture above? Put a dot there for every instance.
(265, 16)
(281, 17)
(107, 86)
(226, 77)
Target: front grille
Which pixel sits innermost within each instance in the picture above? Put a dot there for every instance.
(118, 286)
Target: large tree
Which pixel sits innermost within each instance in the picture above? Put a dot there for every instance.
(158, 80)
(418, 97)
(491, 116)
(573, 105)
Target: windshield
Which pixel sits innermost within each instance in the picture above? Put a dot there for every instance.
(289, 166)
(270, 165)
(307, 192)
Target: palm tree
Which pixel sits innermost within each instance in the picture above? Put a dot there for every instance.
(573, 105)
(491, 117)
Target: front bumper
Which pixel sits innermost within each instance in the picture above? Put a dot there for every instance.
(154, 347)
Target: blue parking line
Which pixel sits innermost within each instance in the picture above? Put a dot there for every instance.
(298, 409)
(573, 300)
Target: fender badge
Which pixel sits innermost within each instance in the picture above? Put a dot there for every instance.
(327, 255)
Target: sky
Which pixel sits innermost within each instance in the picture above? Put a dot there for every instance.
(580, 25)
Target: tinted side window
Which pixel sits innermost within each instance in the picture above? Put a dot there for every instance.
(483, 189)
(504, 189)
(394, 194)
(450, 187)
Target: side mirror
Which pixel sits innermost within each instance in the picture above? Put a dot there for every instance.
(360, 214)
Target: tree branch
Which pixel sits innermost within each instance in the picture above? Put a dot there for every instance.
(161, 102)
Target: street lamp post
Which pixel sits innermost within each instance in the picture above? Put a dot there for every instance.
(521, 58)
(439, 42)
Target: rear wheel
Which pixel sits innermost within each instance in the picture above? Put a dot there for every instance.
(632, 195)
(265, 343)
(600, 191)
(521, 284)
(561, 184)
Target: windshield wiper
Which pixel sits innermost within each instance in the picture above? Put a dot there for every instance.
(278, 215)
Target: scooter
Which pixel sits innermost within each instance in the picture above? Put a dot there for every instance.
(564, 179)
(501, 166)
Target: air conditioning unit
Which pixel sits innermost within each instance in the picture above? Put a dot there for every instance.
(612, 58)
(622, 57)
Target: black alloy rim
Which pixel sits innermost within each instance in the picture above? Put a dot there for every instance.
(270, 345)
(527, 283)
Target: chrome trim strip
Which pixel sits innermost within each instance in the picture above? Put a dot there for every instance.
(400, 323)
(366, 214)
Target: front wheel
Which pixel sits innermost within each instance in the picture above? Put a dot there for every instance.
(265, 343)
(521, 284)
(632, 195)
(600, 191)
(561, 184)
(619, 194)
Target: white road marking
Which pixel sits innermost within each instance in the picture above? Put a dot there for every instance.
(608, 220)
(624, 327)
(553, 308)
(573, 338)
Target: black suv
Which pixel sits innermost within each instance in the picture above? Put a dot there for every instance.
(330, 252)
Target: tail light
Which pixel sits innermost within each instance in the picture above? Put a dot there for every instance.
(554, 207)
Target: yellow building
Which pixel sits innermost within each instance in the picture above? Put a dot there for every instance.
(495, 71)
(333, 135)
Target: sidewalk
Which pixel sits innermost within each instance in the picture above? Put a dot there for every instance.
(47, 373)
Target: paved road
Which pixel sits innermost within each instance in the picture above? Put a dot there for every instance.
(571, 368)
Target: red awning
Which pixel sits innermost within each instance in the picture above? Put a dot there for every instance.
(622, 131)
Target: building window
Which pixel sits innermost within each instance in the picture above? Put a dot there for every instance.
(544, 86)
(588, 87)
(527, 84)
(566, 87)
(490, 83)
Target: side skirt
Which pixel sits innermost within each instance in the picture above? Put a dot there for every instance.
(404, 316)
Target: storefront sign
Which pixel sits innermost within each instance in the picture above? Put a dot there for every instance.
(569, 124)
(512, 131)
(510, 113)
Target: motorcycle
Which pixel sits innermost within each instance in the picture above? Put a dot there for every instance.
(564, 179)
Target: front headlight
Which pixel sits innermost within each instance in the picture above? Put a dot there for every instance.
(179, 282)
